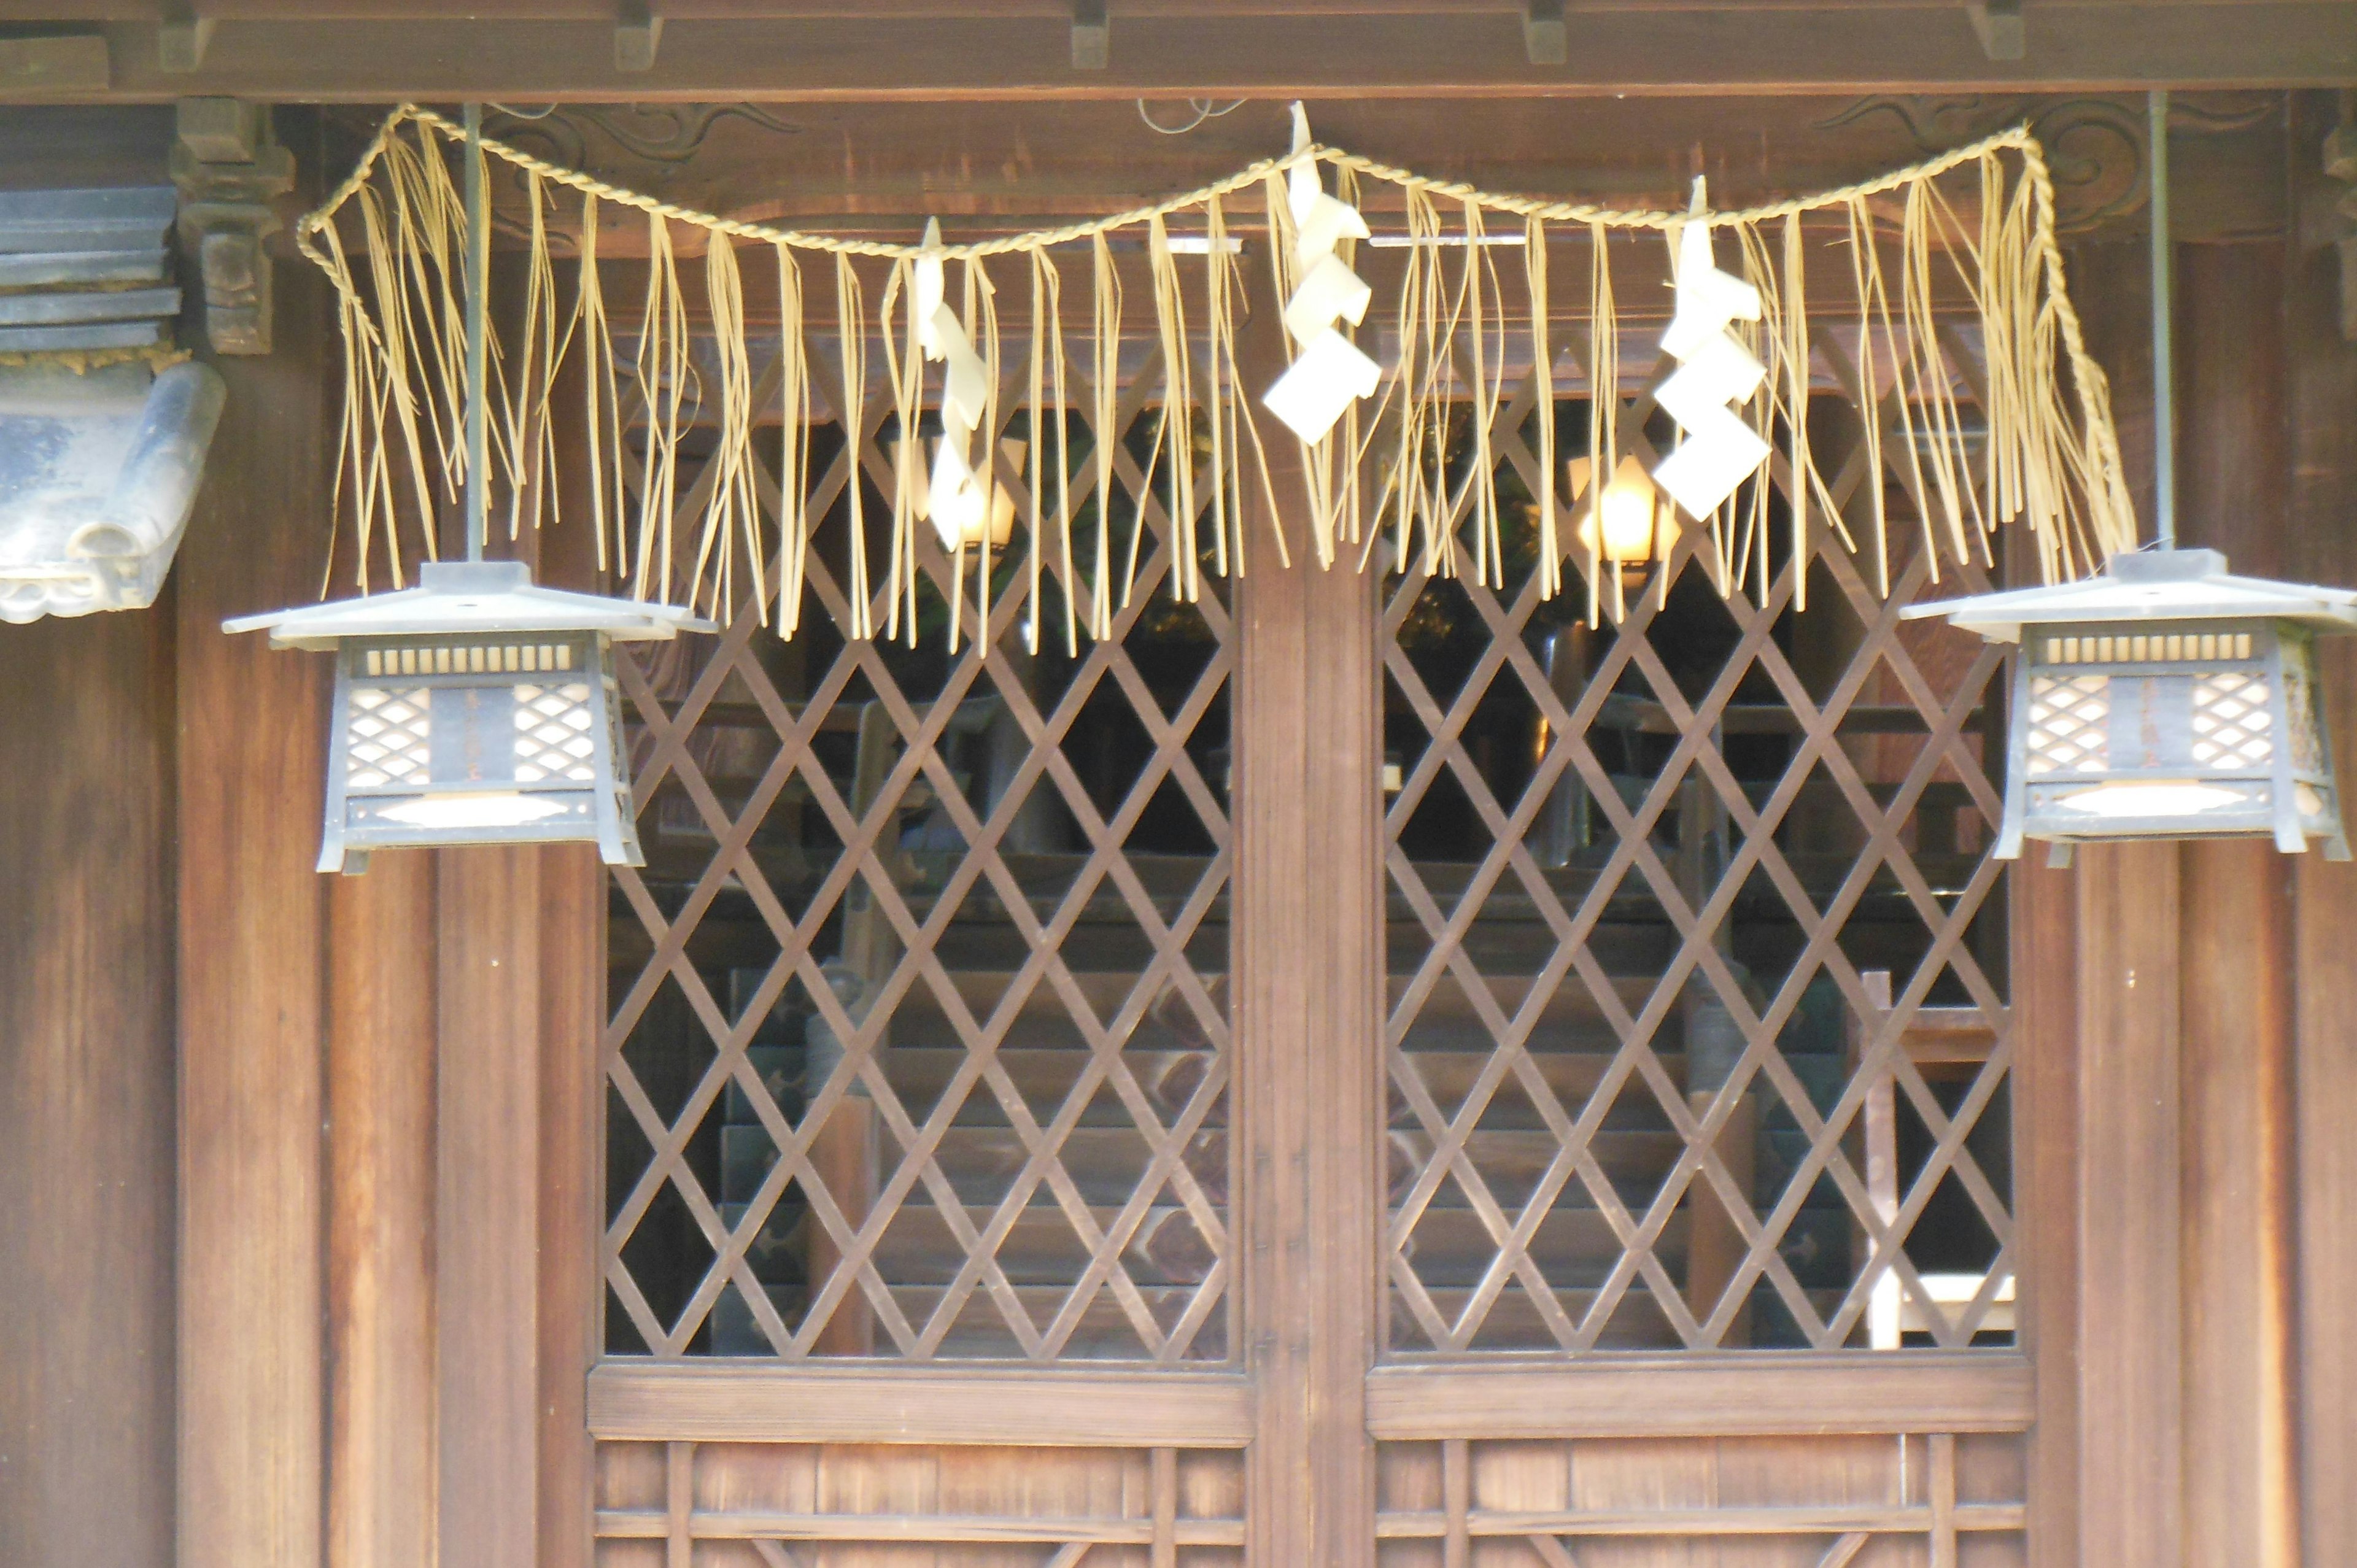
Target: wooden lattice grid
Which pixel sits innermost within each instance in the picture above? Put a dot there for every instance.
(862, 907)
(849, 1235)
(1442, 1146)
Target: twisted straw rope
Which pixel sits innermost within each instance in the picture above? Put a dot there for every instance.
(2018, 138)
(2090, 385)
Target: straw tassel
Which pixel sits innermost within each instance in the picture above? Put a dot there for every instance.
(390, 237)
(794, 446)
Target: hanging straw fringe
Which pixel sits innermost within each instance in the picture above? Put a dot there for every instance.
(1413, 463)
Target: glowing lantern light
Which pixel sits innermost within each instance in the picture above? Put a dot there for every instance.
(1637, 526)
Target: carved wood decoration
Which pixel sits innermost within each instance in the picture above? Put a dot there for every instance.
(228, 167)
(920, 1036)
(1648, 1081)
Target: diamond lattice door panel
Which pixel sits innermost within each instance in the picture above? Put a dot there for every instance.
(1697, 1027)
(919, 1045)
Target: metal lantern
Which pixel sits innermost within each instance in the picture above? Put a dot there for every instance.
(2165, 699)
(476, 708)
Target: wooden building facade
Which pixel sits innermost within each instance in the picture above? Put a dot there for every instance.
(1362, 1068)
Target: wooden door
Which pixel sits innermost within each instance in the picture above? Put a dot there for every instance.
(1350, 1068)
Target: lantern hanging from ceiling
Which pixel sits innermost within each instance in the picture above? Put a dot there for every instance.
(2164, 698)
(475, 708)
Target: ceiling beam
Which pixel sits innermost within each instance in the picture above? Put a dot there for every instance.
(1440, 51)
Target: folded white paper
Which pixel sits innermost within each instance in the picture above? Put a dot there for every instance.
(1330, 292)
(1330, 374)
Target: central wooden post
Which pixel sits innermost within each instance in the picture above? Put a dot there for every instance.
(1308, 1025)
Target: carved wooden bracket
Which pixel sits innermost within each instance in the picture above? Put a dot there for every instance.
(228, 167)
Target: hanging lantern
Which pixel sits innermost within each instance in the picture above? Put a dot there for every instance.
(970, 521)
(1628, 525)
(474, 709)
(2164, 699)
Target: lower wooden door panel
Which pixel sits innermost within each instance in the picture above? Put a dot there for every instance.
(1872, 1500)
(832, 1505)
(1880, 1500)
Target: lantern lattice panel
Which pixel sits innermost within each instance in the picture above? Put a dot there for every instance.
(392, 737)
(553, 734)
(1697, 1037)
(2233, 721)
(920, 1036)
(2070, 718)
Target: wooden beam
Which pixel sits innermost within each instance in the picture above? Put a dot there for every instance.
(642, 1401)
(1800, 1394)
(1308, 950)
(251, 978)
(86, 1113)
(2227, 43)
(2320, 389)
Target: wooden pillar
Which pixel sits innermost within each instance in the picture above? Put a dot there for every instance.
(2321, 418)
(86, 1104)
(252, 931)
(1308, 1029)
(2237, 959)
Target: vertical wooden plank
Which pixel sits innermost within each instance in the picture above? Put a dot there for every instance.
(487, 1210)
(86, 1105)
(2129, 1333)
(1165, 1482)
(1943, 1481)
(679, 1501)
(1455, 1501)
(571, 984)
(2323, 413)
(253, 920)
(2045, 931)
(2238, 961)
(381, 1480)
(1308, 953)
(572, 924)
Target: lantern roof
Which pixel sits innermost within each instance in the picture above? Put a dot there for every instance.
(469, 597)
(2149, 585)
